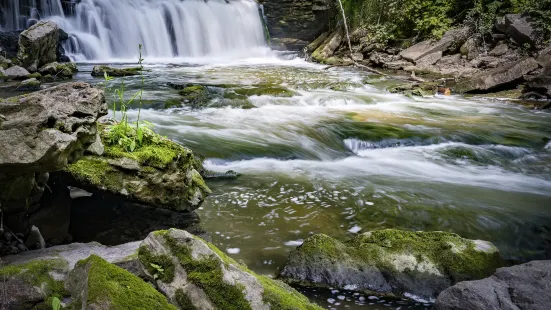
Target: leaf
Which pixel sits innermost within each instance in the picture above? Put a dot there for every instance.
(56, 303)
(139, 134)
(132, 145)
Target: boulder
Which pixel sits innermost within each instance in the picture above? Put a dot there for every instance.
(60, 70)
(544, 56)
(470, 49)
(16, 73)
(100, 70)
(194, 274)
(160, 173)
(397, 65)
(196, 96)
(46, 130)
(429, 59)
(329, 46)
(540, 86)
(524, 286)
(94, 283)
(392, 262)
(451, 41)
(520, 28)
(29, 85)
(498, 77)
(500, 50)
(38, 44)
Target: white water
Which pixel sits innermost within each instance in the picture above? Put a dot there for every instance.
(19, 14)
(108, 30)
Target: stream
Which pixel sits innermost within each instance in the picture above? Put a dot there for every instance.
(342, 157)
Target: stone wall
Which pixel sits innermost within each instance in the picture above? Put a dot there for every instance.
(293, 24)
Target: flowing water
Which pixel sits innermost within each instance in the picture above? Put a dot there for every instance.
(340, 156)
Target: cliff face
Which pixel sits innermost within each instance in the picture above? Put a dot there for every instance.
(294, 23)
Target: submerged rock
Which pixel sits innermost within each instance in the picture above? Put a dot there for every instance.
(524, 286)
(196, 275)
(197, 95)
(38, 44)
(392, 262)
(160, 173)
(99, 71)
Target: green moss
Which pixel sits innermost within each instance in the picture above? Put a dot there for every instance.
(283, 297)
(109, 284)
(96, 171)
(183, 300)
(261, 90)
(164, 261)
(207, 274)
(37, 273)
(35, 75)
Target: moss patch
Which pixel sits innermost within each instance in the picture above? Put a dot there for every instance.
(37, 273)
(164, 261)
(93, 170)
(184, 302)
(109, 284)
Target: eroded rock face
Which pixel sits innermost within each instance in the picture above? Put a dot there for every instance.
(295, 23)
(392, 261)
(46, 130)
(196, 275)
(38, 44)
(524, 286)
(451, 40)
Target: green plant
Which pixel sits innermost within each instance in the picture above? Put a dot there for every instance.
(56, 303)
(160, 270)
(128, 135)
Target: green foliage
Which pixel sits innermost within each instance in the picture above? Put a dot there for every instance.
(56, 303)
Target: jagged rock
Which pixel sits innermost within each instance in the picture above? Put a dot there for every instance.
(380, 59)
(38, 44)
(544, 57)
(35, 239)
(500, 50)
(99, 71)
(29, 84)
(524, 286)
(160, 173)
(540, 86)
(451, 40)
(429, 59)
(470, 49)
(392, 262)
(60, 70)
(46, 130)
(450, 60)
(97, 147)
(397, 65)
(497, 77)
(97, 284)
(16, 73)
(194, 274)
(329, 46)
(519, 28)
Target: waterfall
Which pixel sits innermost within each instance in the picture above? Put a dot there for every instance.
(108, 29)
(20, 14)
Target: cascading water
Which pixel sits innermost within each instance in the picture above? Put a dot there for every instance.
(106, 29)
(20, 14)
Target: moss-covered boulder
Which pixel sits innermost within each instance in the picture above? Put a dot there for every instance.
(392, 262)
(197, 96)
(99, 71)
(33, 284)
(59, 70)
(97, 284)
(194, 274)
(160, 173)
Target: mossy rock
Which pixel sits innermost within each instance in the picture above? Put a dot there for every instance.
(35, 283)
(196, 96)
(392, 262)
(97, 284)
(261, 90)
(194, 274)
(59, 70)
(159, 173)
(99, 71)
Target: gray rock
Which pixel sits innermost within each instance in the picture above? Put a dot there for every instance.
(429, 59)
(451, 40)
(500, 50)
(520, 29)
(187, 256)
(397, 65)
(16, 73)
(97, 147)
(18, 293)
(35, 240)
(392, 262)
(29, 84)
(450, 60)
(470, 48)
(544, 56)
(60, 70)
(524, 286)
(5, 63)
(540, 86)
(502, 75)
(38, 44)
(47, 130)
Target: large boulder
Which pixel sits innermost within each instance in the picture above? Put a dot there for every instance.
(46, 130)
(519, 27)
(160, 173)
(540, 86)
(392, 262)
(16, 73)
(38, 44)
(498, 77)
(451, 40)
(525, 286)
(194, 274)
(329, 46)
